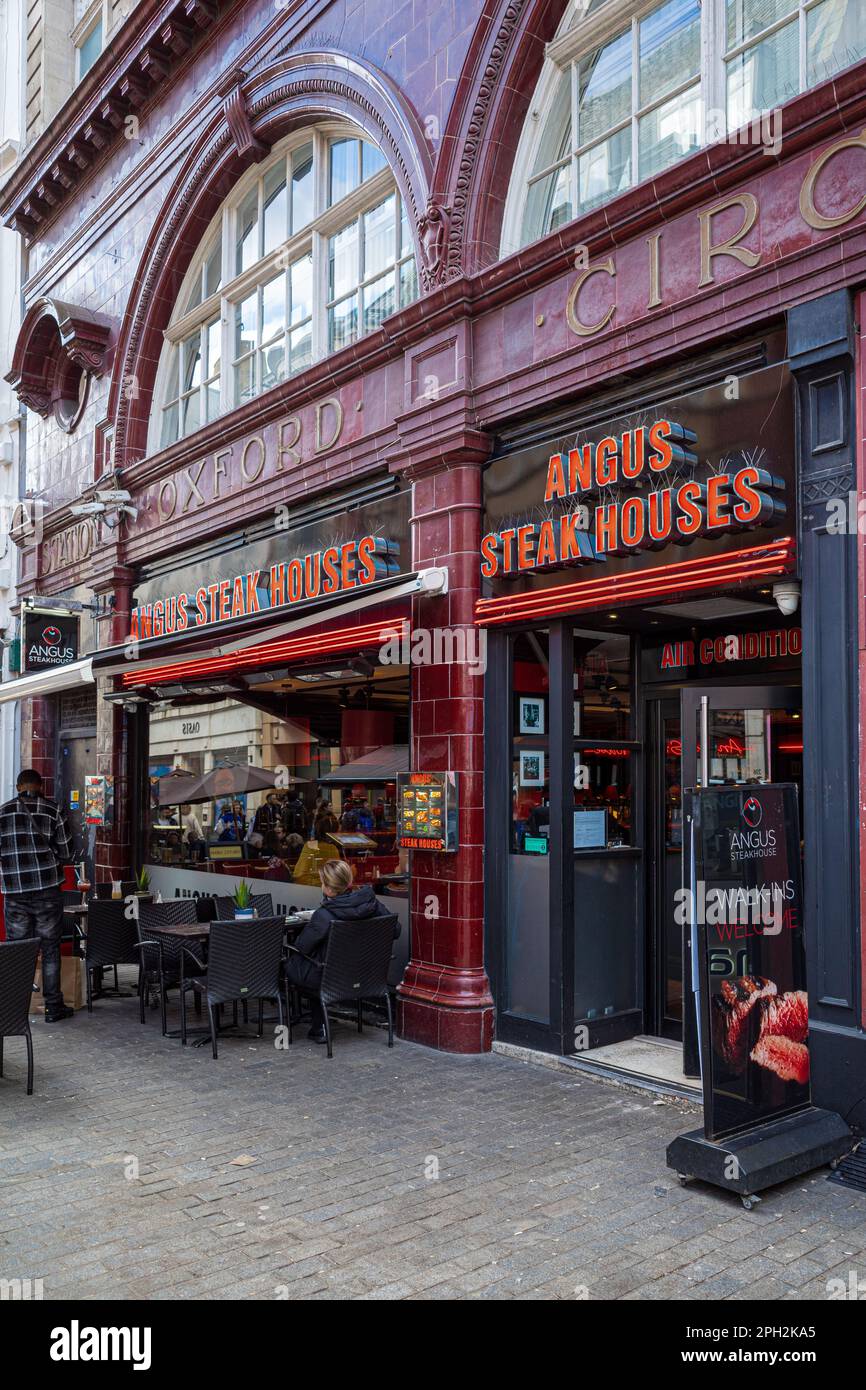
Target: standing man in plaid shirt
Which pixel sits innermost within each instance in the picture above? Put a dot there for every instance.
(34, 845)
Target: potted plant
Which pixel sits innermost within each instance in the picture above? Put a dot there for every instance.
(243, 902)
(142, 886)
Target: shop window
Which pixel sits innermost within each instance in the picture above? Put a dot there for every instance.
(604, 758)
(530, 756)
(308, 255)
(603, 797)
(625, 95)
(602, 686)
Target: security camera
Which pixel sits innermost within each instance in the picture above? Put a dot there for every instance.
(119, 495)
(88, 509)
(787, 596)
(113, 518)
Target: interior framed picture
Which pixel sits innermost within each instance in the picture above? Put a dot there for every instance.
(531, 767)
(531, 714)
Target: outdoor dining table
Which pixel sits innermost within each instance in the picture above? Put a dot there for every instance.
(200, 931)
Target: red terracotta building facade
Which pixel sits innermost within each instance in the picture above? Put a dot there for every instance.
(305, 260)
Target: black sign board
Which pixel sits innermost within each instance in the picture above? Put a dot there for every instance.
(746, 911)
(50, 639)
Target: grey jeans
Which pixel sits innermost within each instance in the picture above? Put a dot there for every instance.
(39, 914)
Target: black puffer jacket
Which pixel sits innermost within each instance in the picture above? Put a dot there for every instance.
(358, 905)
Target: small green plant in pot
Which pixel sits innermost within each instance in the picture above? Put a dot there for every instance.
(243, 902)
(142, 884)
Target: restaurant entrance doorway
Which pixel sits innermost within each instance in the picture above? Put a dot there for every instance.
(752, 734)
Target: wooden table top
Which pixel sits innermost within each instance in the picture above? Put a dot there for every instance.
(200, 930)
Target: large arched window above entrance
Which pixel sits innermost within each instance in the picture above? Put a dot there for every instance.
(630, 87)
(311, 251)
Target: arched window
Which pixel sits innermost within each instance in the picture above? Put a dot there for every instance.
(629, 87)
(310, 252)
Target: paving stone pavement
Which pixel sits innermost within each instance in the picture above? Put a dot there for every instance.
(404, 1174)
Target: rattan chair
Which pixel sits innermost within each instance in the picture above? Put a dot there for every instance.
(243, 964)
(355, 970)
(110, 939)
(161, 956)
(17, 969)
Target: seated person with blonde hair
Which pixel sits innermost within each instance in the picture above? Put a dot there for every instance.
(342, 902)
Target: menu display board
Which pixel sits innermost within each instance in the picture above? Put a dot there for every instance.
(590, 829)
(427, 811)
(98, 800)
(746, 912)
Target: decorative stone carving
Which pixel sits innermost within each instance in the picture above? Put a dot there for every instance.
(433, 229)
(237, 116)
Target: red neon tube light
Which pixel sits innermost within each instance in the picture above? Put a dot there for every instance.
(659, 577)
(738, 566)
(277, 653)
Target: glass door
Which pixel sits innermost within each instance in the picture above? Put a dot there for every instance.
(664, 1003)
(752, 734)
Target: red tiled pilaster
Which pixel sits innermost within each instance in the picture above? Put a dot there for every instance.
(444, 999)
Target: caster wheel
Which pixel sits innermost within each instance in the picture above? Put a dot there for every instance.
(750, 1201)
(834, 1164)
(683, 1179)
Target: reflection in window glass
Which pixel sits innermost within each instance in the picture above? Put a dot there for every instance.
(835, 37)
(247, 252)
(746, 18)
(604, 170)
(277, 315)
(670, 48)
(603, 797)
(213, 269)
(274, 205)
(378, 301)
(273, 308)
(372, 160)
(343, 272)
(670, 132)
(343, 323)
(530, 762)
(604, 89)
(169, 425)
(302, 187)
(379, 238)
(764, 76)
(602, 685)
(343, 169)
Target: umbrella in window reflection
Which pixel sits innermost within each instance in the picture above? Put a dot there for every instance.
(174, 788)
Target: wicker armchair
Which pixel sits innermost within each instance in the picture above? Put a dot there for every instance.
(161, 957)
(17, 969)
(110, 939)
(357, 959)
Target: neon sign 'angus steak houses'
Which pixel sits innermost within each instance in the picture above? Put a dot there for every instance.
(678, 513)
(329, 571)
